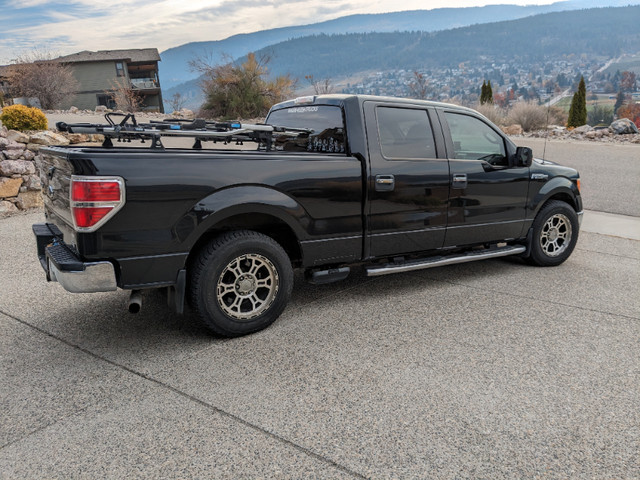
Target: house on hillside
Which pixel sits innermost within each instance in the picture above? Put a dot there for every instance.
(105, 70)
(4, 84)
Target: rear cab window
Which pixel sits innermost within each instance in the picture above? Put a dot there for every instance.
(326, 123)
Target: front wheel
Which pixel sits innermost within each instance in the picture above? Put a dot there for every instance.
(555, 233)
(240, 283)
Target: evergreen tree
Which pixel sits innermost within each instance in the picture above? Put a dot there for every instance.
(486, 94)
(619, 102)
(483, 92)
(578, 109)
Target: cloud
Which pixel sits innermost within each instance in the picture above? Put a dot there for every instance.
(77, 25)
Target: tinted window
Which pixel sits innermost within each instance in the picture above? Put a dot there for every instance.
(405, 133)
(315, 117)
(475, 140)
(325, 122)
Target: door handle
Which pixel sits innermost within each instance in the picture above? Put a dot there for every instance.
(385, 183)
(459, 180)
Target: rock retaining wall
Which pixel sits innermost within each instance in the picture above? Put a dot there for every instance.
(20, 186)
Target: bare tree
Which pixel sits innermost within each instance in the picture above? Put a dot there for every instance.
(177, 101)
(40, 75)
(124, 96)
(418, 87)
(320, 87)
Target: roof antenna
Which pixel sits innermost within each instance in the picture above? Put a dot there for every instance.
(546, 133)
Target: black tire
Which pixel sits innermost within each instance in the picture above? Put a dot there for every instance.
(240, 283)
(555, 233)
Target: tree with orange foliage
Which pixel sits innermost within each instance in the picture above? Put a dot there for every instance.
(630, 111)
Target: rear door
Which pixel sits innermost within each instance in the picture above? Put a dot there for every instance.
(409, 179)
(488, 196)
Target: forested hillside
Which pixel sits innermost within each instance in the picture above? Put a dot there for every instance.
(603, 32)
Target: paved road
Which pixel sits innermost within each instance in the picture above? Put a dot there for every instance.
(493, 370)
(610, 173)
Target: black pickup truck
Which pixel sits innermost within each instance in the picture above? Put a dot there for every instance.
(387, 184)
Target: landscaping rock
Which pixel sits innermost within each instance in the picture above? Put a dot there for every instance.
(32, 182)
(623, 126)
(48, 138)
(77, 138)
(9, 187)
(17, 167)
(101, 109)
(28, 155)
(13, 154)
(3, 131)
(3, 143)
(7, 207)
(73, 110)
(513, 130)
(19, 137)
(28, 200)
(582, 129)
(33, 147)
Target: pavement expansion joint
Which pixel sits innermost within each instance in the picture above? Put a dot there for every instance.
(192, 398)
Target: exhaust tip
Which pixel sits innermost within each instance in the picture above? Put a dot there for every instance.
(135, 301)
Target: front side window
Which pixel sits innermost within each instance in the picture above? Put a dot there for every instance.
(119, 69)
(475, 140)
(405, 133)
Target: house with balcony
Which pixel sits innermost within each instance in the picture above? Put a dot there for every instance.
(100, 72)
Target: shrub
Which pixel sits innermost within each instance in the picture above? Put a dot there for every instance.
(492, 112)
(21, 118)
(600, 115)
(529, 115)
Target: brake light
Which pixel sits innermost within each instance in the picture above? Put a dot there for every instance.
(94, 200)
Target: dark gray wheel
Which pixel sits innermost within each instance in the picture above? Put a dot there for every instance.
(555, 233)
(240, 283)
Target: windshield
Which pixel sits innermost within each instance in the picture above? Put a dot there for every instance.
(324, 121)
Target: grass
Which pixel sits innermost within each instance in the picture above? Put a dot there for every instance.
(603, 99)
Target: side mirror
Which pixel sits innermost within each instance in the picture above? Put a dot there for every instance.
(523, 157)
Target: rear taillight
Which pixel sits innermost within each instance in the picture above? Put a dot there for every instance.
(94, 200)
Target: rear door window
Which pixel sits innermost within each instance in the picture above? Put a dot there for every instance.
(405, 133)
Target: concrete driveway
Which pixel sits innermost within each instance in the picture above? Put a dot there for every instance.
(484, 370)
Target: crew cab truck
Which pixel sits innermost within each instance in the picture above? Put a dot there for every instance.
(388, 184)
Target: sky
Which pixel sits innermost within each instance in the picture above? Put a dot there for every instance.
(61, 27)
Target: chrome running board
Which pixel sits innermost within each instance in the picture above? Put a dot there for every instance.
(376, 270)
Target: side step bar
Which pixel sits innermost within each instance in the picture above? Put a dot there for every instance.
(376, 270)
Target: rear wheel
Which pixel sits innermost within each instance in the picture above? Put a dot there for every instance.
(555, 233)
(240, 283)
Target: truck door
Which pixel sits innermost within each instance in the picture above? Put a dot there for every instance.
(488, 196)
(408, 184)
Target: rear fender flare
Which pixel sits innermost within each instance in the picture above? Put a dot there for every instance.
(230, 202)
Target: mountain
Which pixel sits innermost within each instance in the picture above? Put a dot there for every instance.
(604, 32)
(174, 68)
(568, 35)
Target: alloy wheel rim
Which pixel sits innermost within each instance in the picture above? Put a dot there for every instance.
(556, 235)
(247, 286)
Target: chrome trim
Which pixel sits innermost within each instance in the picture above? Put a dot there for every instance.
(580, 217)
(375, 271)
(96, 277)
(115, 206)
